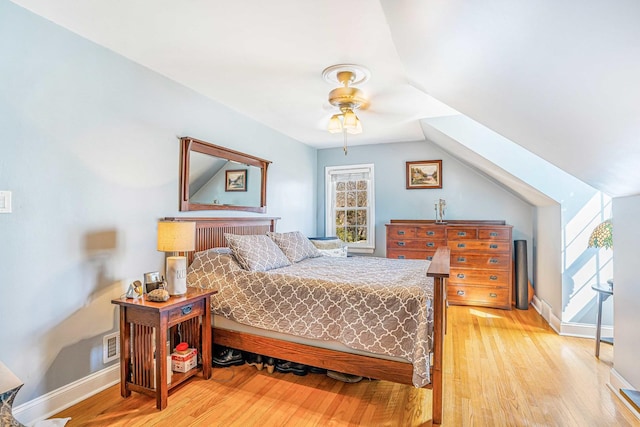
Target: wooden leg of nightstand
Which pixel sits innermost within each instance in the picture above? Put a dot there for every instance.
(206, 339)
(162, 390)
(125, 353)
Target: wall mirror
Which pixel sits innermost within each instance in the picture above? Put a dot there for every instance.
(217, 178)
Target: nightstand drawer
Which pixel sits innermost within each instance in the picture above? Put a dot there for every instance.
(185, 312)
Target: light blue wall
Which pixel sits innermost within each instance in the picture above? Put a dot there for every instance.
(469, 195)
(90, 144)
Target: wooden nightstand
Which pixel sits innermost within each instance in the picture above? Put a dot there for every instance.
(182, 318)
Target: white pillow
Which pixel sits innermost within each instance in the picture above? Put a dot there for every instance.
(331, 247)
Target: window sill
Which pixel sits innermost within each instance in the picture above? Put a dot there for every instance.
(361, 250)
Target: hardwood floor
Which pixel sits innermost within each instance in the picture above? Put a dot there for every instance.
(503, 368)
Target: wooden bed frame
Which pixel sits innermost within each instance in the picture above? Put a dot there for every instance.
(210, 234)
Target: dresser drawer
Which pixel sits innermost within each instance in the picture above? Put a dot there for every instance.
(462, 233)
(185, 312)
(400, 232)
(478, 295)
(437, 233)
(426, 244)
(497, 278)
(495, 233)
(407, 254)
(499, 261)
(488, 246)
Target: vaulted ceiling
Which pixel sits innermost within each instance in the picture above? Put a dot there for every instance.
(561, 79)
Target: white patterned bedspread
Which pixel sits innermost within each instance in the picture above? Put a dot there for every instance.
(379, 305)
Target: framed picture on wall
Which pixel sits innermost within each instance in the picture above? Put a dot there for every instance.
(424, 174)
(236, 180)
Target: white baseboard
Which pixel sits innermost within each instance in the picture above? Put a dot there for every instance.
(544, 309)
(53, 402)
(616, 382)
(582, 330)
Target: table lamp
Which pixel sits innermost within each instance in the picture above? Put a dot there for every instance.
(175, 237)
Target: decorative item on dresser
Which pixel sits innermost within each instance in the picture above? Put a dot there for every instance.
(481, 256)
(210, 233)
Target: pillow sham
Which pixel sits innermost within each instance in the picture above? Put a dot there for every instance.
(256, 252)
(216, 260)
(295, 245)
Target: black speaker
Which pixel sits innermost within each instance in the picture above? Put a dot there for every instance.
(522, 277)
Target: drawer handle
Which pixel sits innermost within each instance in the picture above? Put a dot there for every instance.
(401, 232)
(462, 245)
(429, 258)
(400, 243)
(492, 277)
(462, 233)
(431, 233)
(493, 295)
(400, 256)
(494, 261)
(493, 246)
(461, 293)
(493, 234)
(460, 276)
(462, 259)
(187, 309)
(430, 244)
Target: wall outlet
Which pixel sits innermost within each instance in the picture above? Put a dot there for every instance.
(5, 201)
(111, 347)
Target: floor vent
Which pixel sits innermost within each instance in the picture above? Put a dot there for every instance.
(111, 347)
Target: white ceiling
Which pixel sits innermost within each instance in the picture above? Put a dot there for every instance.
(562, 79)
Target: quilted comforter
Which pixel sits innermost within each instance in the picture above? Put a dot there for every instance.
(378, 305)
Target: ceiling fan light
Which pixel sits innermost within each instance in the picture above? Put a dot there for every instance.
(350, 121)
(334, 124)
(357, 129)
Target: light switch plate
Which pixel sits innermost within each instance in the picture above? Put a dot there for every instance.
(5, 201)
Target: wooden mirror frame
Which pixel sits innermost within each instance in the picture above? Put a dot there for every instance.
(188, 144)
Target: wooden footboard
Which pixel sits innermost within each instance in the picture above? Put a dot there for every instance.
(210, 233)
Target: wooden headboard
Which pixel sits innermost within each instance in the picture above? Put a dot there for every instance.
(210, 231)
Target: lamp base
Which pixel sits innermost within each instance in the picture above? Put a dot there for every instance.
(177, 275)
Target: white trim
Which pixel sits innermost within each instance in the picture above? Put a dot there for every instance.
(55, 401)
(583, 330)
(616, 382)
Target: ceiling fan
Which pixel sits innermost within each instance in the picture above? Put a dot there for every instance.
(346, 98)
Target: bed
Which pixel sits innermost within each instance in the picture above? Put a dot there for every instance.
(323, 353)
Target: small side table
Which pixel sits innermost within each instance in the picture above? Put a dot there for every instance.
(604, 292)
(141, 321)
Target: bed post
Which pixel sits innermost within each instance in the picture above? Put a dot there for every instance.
(439, 270)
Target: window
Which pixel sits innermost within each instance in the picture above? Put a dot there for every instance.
(350, 206)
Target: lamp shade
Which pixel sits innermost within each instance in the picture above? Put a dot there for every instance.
(176, 236)
(335, 126)
(602, 235)
(350, 119)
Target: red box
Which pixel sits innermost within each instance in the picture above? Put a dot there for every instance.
(184, 362)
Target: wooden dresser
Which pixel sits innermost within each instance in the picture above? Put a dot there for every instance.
(481, 256)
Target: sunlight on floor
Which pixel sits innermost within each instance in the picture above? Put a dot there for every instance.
(483, 314)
